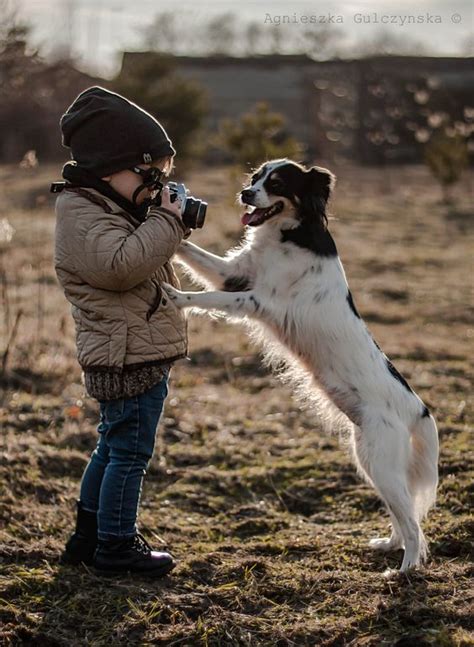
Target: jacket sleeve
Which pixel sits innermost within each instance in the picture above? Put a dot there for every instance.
(116, 259)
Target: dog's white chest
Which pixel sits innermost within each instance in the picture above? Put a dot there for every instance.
(277, 271)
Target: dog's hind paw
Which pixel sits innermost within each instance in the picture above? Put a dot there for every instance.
(385, 543)
(390, 573)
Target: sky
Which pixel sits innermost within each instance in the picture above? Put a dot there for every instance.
(97, 30)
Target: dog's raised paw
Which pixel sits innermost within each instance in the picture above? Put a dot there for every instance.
(180, 299)
(174, 295)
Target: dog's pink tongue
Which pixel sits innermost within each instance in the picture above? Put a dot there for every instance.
(248, 217)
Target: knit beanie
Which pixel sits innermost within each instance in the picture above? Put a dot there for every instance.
(107, 133)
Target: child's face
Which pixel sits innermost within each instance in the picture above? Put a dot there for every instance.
(125, 182)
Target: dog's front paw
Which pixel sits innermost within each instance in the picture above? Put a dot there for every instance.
(183, 249)
(176, 296)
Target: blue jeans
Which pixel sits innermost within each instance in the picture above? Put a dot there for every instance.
(112, 481)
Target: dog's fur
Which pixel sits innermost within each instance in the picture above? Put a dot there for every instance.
(288, 283)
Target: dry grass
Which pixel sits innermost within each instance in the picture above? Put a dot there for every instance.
(265, 514)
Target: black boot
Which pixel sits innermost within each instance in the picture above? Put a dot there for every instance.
(133, 555)
(82, 544)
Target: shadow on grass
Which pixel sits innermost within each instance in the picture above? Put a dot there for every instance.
(61, 605)
(407, 616)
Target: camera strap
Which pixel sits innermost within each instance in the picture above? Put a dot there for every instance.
(77, 177)
(151, 180)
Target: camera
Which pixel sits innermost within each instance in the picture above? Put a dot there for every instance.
(193, 210)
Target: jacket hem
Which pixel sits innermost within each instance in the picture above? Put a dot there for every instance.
(131, 367)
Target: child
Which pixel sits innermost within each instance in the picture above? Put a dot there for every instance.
(112, 252)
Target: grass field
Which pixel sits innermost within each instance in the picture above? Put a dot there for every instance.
(265, 513)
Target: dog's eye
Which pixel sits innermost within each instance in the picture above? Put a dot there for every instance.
(276, 184)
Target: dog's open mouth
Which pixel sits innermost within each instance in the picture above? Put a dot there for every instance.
(256, 215)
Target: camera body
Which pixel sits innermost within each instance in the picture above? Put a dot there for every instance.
(193, 210)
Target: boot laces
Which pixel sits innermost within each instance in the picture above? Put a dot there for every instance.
(140, 544)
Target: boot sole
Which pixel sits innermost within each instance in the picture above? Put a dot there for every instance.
(73, 561)
(155, 573)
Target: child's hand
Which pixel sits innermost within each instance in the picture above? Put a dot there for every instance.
(167, 204)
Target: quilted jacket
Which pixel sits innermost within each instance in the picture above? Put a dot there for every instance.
(110, 267)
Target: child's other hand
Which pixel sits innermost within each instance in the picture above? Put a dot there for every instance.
(167, 204)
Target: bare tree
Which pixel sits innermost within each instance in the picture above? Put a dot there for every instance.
(386, 42)
(253, 36)
(16, 55)
(221, 34)
(276, 34)
(323, 42)
(10, 19)
(162, 34)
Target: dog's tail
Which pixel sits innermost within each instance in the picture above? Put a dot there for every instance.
(423, 468)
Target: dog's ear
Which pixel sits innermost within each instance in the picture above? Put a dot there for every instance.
(319, 185)
(320, 182)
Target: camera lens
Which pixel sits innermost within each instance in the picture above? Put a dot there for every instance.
(194, 213)
(201, 215)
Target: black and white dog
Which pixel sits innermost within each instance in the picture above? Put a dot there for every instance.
(287, 282)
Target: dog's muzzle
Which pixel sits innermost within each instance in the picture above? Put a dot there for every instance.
(255, 216)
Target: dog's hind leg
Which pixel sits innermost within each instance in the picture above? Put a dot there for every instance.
(361, 459)
(385, 450)
(423, 472)
(386, 544)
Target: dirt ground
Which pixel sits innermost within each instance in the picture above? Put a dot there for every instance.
(265, 513)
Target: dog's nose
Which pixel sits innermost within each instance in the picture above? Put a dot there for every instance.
(247, 194)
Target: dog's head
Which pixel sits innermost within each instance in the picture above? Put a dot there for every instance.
(286, 192)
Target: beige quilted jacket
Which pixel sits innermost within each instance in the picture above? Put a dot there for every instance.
(110, 267)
